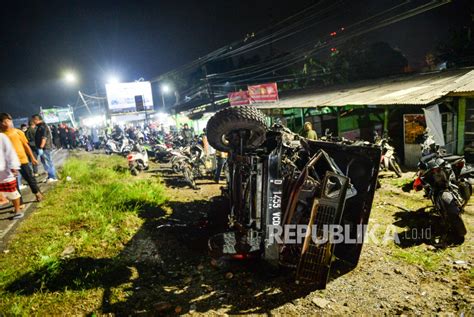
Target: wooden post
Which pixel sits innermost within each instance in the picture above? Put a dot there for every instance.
(461, 124)
(385, 120)
(338, 114)
(302, 117)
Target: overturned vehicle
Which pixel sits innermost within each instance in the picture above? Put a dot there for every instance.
(289, 195)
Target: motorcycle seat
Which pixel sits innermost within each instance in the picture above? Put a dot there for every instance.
(427, 158)
(451, 158)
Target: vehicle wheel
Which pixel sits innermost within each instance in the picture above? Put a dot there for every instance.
(134, 171)
(452, 215)
(465, 190)
(177, 166)
(379, 185)
(235, 119)
(188, 175)
(396, 168)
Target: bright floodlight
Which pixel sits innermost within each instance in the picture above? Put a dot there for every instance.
(70, 78)
(112, 79)
(165, 88)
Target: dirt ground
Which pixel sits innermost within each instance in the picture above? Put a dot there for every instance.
(174, 273)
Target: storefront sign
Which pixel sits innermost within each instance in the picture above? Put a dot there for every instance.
(263, 93)
(239, 98)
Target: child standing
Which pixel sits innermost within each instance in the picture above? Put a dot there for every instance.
(9, 167)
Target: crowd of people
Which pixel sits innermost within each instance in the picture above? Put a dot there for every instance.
(21, 150)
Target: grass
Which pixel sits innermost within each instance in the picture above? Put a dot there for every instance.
(391, 200)
(94, 214)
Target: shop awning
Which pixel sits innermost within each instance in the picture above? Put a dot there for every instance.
(414, 89)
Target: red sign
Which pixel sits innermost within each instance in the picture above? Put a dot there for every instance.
(239, 98)
(263, 93)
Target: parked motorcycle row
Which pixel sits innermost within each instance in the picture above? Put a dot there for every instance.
(187, 158)
(190, 160)
(447, 181)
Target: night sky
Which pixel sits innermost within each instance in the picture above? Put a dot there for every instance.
(133, 39)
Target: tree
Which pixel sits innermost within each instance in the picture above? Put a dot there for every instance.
(458, 50)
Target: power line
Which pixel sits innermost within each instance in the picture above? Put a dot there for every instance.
(302, 52)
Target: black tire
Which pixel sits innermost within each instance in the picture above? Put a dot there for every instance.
(188, 175)
(396, 168)
(234, 119)
(452, 214)
(134, 171)
(465, 190)
(177, 165)
(378, 185)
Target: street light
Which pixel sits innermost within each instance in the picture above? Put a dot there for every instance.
(70, 77)
(164, 90)
(113, 79)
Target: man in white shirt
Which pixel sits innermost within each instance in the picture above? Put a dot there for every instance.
(9, 167)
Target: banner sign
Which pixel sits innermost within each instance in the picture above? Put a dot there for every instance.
(435, 124)
(239, 98)
(124, 97)
(57, 115)
(263, 93)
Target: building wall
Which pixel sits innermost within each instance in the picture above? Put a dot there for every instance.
(466, 141)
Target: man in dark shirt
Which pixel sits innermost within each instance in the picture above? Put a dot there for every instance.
(30, 135)
(43, 143)
(62, 135)
(187, 134)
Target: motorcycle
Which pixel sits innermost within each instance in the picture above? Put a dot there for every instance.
(197, 165)
(462, 170)
(116, 147)
(137, 159)
(388, 160)
(448, 194)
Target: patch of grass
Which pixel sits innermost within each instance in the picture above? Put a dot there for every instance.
(420, 256)
(391, 201)
(94, 214)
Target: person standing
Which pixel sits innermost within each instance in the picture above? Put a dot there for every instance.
(9, 166)
(308, 132)
(43, 145)
(95, 137)
(62, 135)
(23, 150)
(221, 158)
(72, 137)
(187, 134)
(30, 135)
(55, 136)
(205, 142)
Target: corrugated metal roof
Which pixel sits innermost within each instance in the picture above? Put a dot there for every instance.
(465, 83)
(416, 89)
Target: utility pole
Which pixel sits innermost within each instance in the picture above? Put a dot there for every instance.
(146, 111)
(209, 87)
(163, 100)
(84, 101)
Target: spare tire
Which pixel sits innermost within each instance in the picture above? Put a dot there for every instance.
(234, 119)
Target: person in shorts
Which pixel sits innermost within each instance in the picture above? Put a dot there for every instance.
(9, 167)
